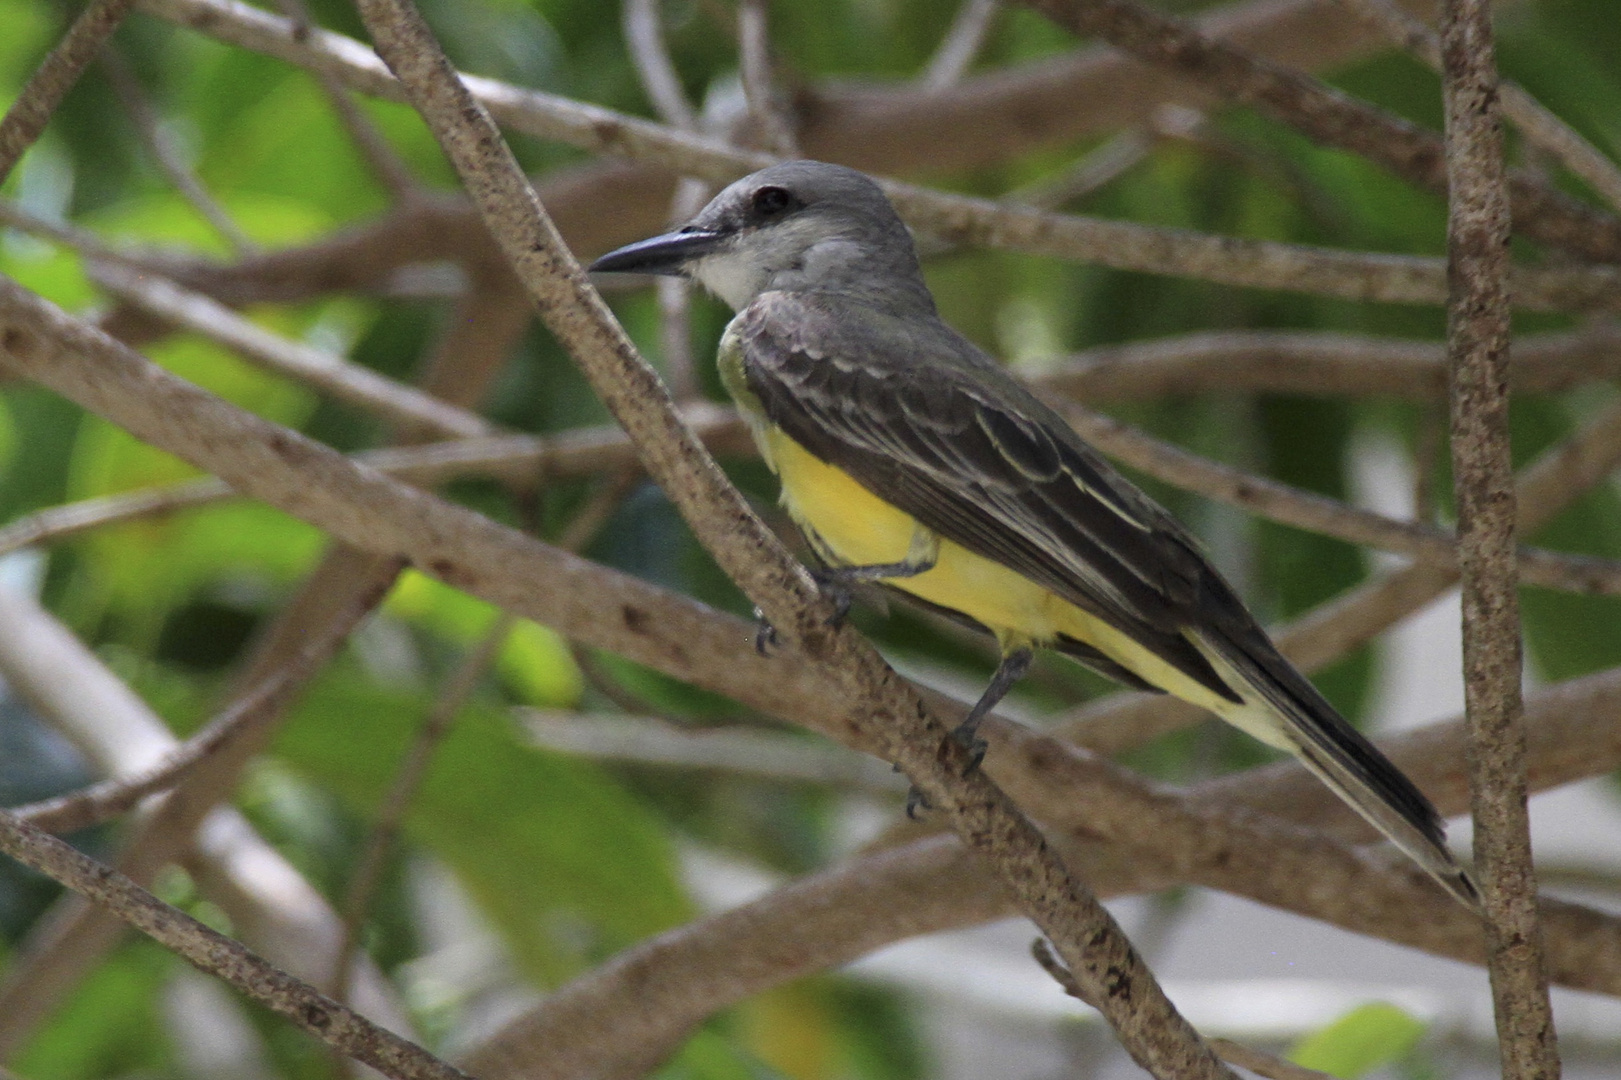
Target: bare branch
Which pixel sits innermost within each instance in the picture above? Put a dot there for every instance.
(1329, 116)
(1319, 364)
(79, 810)
(961, 45)
(626, 1015)
(1259, 1062)
(882, 710)
(65, 682)
(385, 163)
(644, 34)
(46, 88)
(1483, 486)
(1322, 515)
(738, 751)
(343, 380)
(767, 115)
(512, 459)
(1539, 126)
(132, 96)
(218, 955)
(954, 219)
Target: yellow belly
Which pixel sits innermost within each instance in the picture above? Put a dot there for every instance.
(854, 527)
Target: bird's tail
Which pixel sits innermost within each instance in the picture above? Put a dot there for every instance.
(1281, 707)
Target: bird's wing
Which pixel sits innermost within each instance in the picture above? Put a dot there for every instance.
(930, 425)
(927, 423)
(910, 413)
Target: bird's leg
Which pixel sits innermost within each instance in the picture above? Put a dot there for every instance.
(837, 582)
(1012, 668)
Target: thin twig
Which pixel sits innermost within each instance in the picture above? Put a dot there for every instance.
(83, 241)
(343, 380)
(1483, 486)
(110, 798)
(644, 34)
(1329, 116)
(511, 459)
(1091, 174)
(769, 115)
(149, 126)
(385, 826)
(384, 161)
(1539, 126)
(734, 751)
(1318, 363)
(56, 75)
(951, 218)
(961, 44)
(1322, 515)
(649, 52)
(214, 953)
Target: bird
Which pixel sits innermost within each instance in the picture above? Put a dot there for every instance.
(908, 457)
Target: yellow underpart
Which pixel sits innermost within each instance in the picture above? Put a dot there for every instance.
(853, 527)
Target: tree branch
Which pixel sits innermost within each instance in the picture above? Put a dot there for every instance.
(954, 219)
(1329, 116)
(883, 712)
(212, 952)
(1483, 484)
(45, 89)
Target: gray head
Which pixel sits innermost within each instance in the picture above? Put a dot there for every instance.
(801, 226)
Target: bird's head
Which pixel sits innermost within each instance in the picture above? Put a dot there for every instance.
(797, 226)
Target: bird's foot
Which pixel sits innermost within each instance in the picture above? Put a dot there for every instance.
(838, 586)
(966, 735)
(765, 635)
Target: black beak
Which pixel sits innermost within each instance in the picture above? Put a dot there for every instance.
(667, 254)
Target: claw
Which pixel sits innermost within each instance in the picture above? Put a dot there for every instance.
(915, 802)
(965, 736)
(765, 635)
(836, 587)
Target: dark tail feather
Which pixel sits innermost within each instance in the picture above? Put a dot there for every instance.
(1339, 755)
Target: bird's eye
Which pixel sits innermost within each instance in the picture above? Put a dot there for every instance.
(770, 201)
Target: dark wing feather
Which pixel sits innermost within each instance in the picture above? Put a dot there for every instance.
(919, 416)
(927, 423)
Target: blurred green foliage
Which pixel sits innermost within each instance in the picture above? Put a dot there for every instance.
(1367, 1037)
(566, 861)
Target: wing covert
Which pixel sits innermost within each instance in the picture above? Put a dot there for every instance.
(918, 416)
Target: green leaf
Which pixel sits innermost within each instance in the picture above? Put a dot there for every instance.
(561, 859)
(1362, 1040)
(534, 661)
(111, 1025)
(710, 1056)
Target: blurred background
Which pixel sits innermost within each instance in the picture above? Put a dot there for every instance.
(537, 845)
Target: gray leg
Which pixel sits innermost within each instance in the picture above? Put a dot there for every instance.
(837, 581)
(1009, 671)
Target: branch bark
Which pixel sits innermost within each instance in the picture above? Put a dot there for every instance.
(214, 953)
(1330, 117)
(882, 710)
(1483, 483)
(44, 91)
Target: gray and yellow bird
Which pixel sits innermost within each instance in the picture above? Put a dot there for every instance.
(908, 457)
